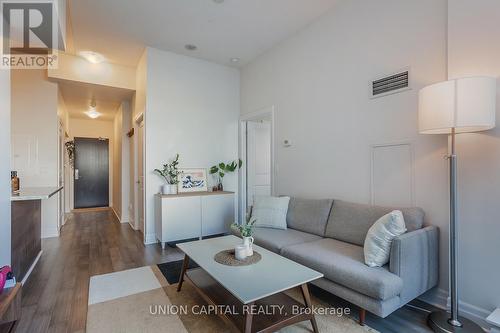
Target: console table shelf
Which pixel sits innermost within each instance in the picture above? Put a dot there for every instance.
(193, 215)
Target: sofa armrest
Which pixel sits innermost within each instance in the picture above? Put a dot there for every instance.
(415, 258)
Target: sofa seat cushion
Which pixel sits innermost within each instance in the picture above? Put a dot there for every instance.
(343, 263)
(309, 215)
(350, 222)
(275, 239)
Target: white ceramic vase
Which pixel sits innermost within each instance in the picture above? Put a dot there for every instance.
(169, 189)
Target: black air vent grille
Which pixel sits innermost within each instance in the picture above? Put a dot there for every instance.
(390, 84)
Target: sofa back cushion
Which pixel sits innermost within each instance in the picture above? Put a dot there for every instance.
(309, 215)
(350, 222)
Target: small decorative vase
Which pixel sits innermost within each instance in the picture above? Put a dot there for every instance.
(248, 244)
(173, 189)
(169, 189)
(220, 187)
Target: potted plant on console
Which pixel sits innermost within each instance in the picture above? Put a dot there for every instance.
(170, 173)
(222, 169)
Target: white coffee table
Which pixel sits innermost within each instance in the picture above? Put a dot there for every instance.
(254, 291)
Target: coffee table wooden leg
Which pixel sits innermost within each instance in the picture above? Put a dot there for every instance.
(248, 319)
(307, 300)
(185, 265)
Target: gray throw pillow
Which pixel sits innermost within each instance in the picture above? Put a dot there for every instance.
(270, 212)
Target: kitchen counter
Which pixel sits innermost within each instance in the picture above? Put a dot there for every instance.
(35, 193)
(26, 228)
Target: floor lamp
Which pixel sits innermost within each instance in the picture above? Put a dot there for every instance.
(453, 107)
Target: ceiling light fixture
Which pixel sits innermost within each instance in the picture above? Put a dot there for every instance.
(92, 112)
(191, 47)
(235, 60)
(218, 1)
(92, 57)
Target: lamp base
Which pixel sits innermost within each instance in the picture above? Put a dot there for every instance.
(439, 322)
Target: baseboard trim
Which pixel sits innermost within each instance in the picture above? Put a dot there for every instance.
(150, 239)
(50, 233)
(132, 225)
(28, 273)
(441, 300)
(116, 214)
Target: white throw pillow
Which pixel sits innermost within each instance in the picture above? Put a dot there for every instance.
(380, 236)
(270, 212)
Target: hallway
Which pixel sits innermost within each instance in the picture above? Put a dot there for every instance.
(91, 243)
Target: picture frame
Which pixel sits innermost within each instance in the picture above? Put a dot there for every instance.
(192, 180)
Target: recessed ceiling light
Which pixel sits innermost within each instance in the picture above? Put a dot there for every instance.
(218, 1)
(191, 47)
(92, 57)
(235, 59)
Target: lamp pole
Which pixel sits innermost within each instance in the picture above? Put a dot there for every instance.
(442, 321)
(454, 321)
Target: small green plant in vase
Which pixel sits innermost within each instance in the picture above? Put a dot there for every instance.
(246, 231)
(170, 173)
(222, 169)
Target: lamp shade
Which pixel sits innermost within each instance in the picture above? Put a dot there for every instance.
(466, 105)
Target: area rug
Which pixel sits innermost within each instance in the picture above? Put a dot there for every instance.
(172, 270)
(132, 301)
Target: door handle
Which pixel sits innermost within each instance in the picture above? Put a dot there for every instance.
(77, 176)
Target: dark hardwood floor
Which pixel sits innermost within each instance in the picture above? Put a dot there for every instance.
(93, 243)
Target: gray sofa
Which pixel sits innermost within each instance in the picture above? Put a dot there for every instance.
(328, 236)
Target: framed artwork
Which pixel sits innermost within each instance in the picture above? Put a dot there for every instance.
(192, 180)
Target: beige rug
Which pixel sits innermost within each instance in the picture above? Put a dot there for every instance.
(133, 301)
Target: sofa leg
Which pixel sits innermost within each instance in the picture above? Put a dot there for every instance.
(362, 316)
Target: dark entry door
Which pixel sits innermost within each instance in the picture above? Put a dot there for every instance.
(91, 173)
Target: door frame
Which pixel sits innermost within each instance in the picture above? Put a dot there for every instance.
(268, 113)
(140, 121)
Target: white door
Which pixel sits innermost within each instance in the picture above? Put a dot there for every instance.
(140, 176)
(258, 160)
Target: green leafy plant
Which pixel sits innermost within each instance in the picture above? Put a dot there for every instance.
(224, 168)
(170, 171)
(247, 229)
(70, 148)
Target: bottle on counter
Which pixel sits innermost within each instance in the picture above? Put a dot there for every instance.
(14, 179)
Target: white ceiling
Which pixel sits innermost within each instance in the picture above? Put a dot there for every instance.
(78, 96)
(119, 29)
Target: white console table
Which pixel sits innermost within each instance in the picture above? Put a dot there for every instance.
(193, 215)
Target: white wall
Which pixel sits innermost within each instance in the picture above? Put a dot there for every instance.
(75, 68)
(93, 128)
(34, 126)
(192, 109)
(138, 107)
(63, 114)
(5, 140)
(474, 49)
(125, 162)
(116, 164)
(318, 81)
(121, 162)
